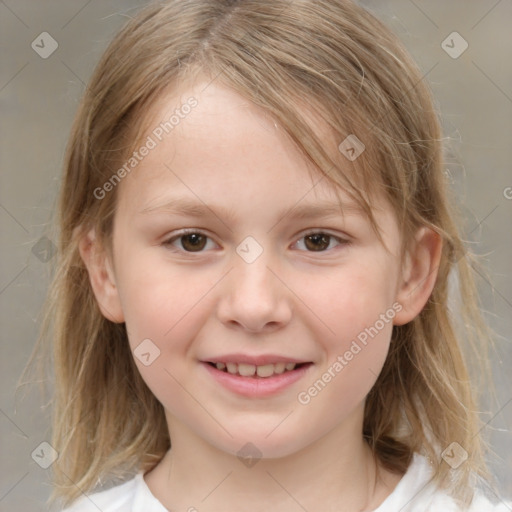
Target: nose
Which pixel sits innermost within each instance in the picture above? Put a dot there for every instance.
(253, 299)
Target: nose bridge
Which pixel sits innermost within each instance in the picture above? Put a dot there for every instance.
(252, 280)
(253, 297)
(251, 265)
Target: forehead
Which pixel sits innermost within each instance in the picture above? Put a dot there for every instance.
(209, 144)
(210, 132)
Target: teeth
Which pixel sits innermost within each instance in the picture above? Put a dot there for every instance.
(232, 368)
(265, 371)
(250, 370)
(247, 370)
(279, 367)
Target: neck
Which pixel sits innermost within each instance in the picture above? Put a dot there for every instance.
(337, 468)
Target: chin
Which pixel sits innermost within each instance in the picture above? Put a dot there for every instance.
(259, 445)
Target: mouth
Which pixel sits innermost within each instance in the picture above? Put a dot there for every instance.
(264, 371)
(267, 378)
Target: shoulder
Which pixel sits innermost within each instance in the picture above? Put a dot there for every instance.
(131, 496)
(443, 503)
(481, 503)
(415, 493)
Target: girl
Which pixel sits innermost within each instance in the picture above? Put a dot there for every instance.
(251, 309)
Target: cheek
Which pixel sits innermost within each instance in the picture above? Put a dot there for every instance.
(164, 308)
(351, 302)
(164, 313)
(357, 307)
(353, 356)
(160, 302)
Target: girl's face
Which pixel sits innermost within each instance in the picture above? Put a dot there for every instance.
(270, 274)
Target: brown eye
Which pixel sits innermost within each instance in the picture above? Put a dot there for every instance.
(193, 242)
(317, 241)
(190, 241)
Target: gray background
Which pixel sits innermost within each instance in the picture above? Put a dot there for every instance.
(39, 98)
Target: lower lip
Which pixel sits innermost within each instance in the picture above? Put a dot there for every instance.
(257, 387)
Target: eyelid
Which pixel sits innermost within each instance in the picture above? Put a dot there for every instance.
(342, 240)
(183, 232)
(315, 231)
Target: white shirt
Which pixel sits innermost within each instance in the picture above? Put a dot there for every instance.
(412, 494)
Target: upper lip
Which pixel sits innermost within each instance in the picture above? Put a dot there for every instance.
(259, 360)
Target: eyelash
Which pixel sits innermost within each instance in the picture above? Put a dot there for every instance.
(185, 232)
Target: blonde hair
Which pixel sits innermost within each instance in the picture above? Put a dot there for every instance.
(330, 57)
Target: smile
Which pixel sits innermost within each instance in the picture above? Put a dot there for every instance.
(251, 370)
(253, 380)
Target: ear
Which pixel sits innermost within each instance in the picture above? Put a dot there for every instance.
(101, 277)
(419, 274)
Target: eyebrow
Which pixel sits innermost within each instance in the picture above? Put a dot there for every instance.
(198, 209)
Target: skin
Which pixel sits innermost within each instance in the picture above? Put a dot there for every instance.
(291, 301)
